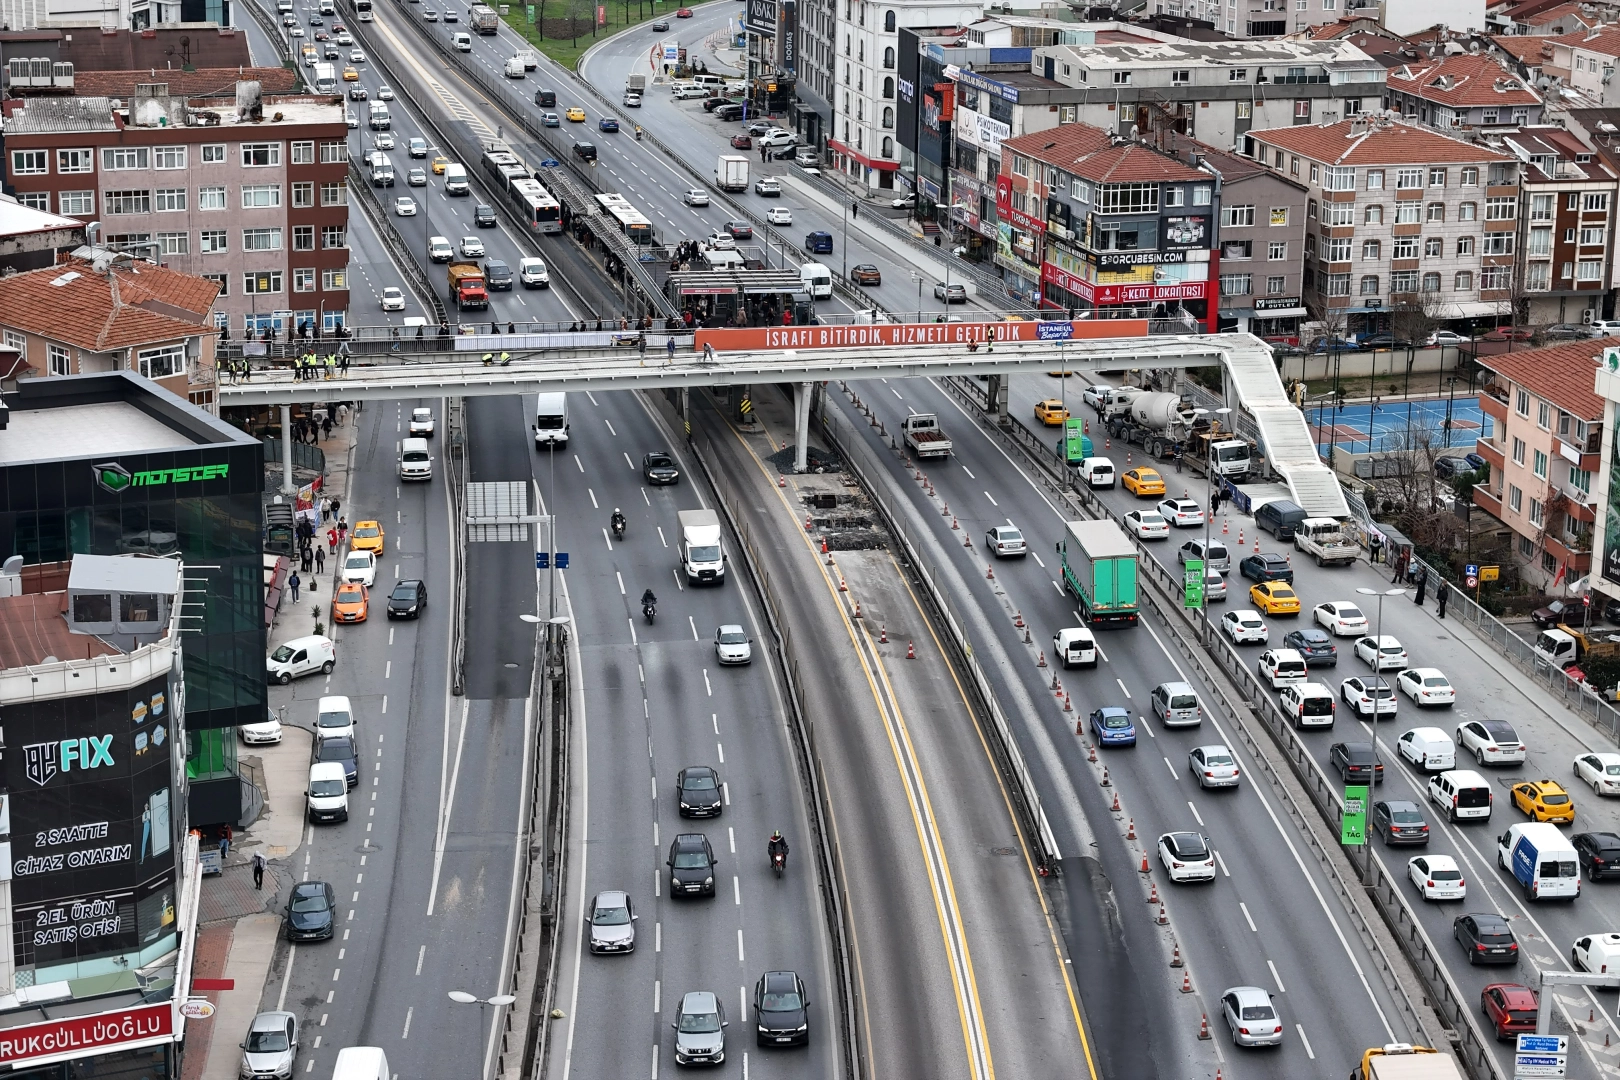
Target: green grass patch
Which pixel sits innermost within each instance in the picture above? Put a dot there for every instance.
(565, 29)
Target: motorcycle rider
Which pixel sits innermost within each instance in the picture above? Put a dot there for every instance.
(618, 522)
(778, 846)
(638, 133)
(648, 600)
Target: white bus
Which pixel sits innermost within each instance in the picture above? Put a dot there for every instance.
(541, 208)
(632, 222)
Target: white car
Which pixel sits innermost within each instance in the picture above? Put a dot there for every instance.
(385, 93)
(297, 31)
(405, 206)
(1213, 766)
(1369, 695)
(1426, 686)
(355, 56)
(393, 298)
(1245, 626)
(1490, 741)
(1147, 525)
(1187, 856)
(1437, 877)
(1429, 748)
(732, 645)
(695, 197)
(1004, 541)
(779, 215)
(719, 241)
(1446, 337)
(1381, 653)
(421, 426)
(1093, 394)
(360, 566)
(1280, 667)
(472, 247)
(767, 185)
(1182, 513)
(1340, 618)
(778, 137)
(1602, 771)
(266, 731)
(345, 38)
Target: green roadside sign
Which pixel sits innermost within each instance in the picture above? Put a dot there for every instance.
(1353, 825)
(1192, 588)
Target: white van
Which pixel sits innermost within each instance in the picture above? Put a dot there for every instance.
(333, 716)
(1428, 748)
(327, 796)
(1281, 667)
(1463, 794)
(462, 42)
(415, 463)
(1541, 859)
(379, 118)
(709, 82)
(300, 656)
(455, 180)
(1596, 953)
(514, 68)
(551, 420)
(1074, 647)
(361, 1063)
(817, 279)
(1308, 704)
(1097, 472)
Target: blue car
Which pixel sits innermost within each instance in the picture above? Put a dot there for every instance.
(1113, 726)
(607, 123)
(818, 243)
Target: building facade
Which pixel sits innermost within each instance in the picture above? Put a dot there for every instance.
(1462, 93)
(251, 194)
(1567, 235)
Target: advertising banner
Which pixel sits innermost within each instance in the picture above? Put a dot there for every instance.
(761, 17)
(1611, 512)
(78, 1035)
(1187, 232)
(1353, 823)
(914, 334)
(1004, 208)
(1140, 284)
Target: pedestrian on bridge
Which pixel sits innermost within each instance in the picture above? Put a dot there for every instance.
(670, 345)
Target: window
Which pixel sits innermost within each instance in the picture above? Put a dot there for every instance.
(1080, 189)
(1404, 247)
(76, 203)
(211, 198)
(213, 154)
(335, 194)
(1434, 247)
(1293, 166)
(260, 196)
(1467, 211)
(1180, 77)
(261, 281)
(1339, 178)
(303, 238)
(1470, 176)
(1595, 200)
(303, 279)
(1371, 249)
(1591, 238)
(303, 194)
(1437, 177)
(1541, 208)
(1431, 282)
(1566, 270)
(1589, 270)
(224, 283)
(334, 236)
(303, 153)
(1338, 213)
(1337, 249)
(1465, 245)
(1302, 109)
(124, 158)
(1572, 201)
(1539, 464)
(1437, 211)
(1408, 178)
(1236, 284)
(169, 157)
(61, 360)
(1408, 213)
(1527, 547)
(30, 162)
(35, 200)
(1464, 281)
(1369, 285)
(1403, 281)
(161, 362)
(1338, 284)
(1020, 165)
(1279, 215)
(1176, 196)
(1501, 208)
(129, 202)
(1310, 209)
(888, 57)
(1521, 405)
(1580, 479)
(1276, 285)
(334, 153)
(337, 280)
(76, 161)
(1375, 179)
(1316, 172)
(1237, 249)
(261, 156)
(1237, 74)
(1122, 78)
(174, 243)
(888, 22)
(1540, 242)
(1538, 275)
(170, 200)
(261, 239)
(1277, 249)
(1494, 278)
(1374, 215)
(1498, 243)
(888, 116)
(1129, 199)
(213, 241)
(1236, 216)
(1498, 174)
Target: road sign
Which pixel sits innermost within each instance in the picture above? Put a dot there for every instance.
(1543, 1044)
(542, 560)
(1526, 1066)
(1353, 824)
(1471, 581)
(1192, 592)
(562, 560)
(1472, 570)
(1489, 573)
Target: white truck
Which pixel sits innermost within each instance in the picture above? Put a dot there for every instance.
(703, 558)
(634, 87)
(551, 421)
(924, 436)
(1403, 1061)
(731, 173)
(1324, 539)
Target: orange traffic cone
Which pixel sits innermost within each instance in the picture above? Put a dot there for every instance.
(911, 651)
(1107, 782)
(1130, 832)
(1115, 808)
(945, 510)
(1203, 1027)
(824, 545)
(1186, 981)
(1153, 891)
(990, 573)
(1175, 957)
(1240, 536)
(781, 481)
(1146, 869)
(1257, 541)
(1163, 919)
(1042, 661)
(809, 523)
(857, 610)
(1225, 530)
(1018, 620)
(1092, 752)
(883, 635)
(954, 525)
(1066, 706)
(967, 540)
(841, 586)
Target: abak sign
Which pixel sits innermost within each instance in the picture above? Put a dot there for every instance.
(77, 1035)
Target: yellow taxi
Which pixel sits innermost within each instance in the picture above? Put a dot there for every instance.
(367, 536)
(1051, 412)
(439, 164)
(1143, 482)
(351, 603)
(1544, 800)
(350, 75)
(1275, 598)
(576, 114)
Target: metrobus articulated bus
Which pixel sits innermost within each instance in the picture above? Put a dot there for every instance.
(542, 211)
(632, 222)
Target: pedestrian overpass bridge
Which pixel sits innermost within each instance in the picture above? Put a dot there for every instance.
(497, 364)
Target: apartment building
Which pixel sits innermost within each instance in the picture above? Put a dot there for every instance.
(1460, 93)
(1585, 59)
(1215, 92)
(1544, 451)
(1399, 216)
(251, 194)
(1108, 226)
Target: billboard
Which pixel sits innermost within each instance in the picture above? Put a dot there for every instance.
(761, 17)
(1187, 232)
(94, 822)
(914, 334)
(787, 40)
(905, 110)
(1611, 510)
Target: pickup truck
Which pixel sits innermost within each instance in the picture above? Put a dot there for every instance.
(924, 436)
(467, 286)
(1323, 539)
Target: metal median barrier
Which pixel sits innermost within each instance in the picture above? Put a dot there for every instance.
(360, 190)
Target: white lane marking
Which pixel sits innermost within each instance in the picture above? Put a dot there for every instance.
(725, 789)
(658, 995)
(630, 463)
(740, 959)
(1173, 775)
(1247, 917)
(896, 393)
(715, 719)
(706, 685)
(632, 623)
(1224, 871)
(693, 624)
(421, 954)
(1307, 1043)
(1196, 815)
(721, 750)
(1037, 559)
(661, 538)
(609, 424)
(449, 775)
(608, 540)
(992, 499)
(281, 999)
(580, 464)
(644, 497)
(407, 1032)
(620, 578)
(1123, 687)
(736, 891)
(658, 937)
(969, 472)
(592, 397)
(592, 493)
(1276, 978)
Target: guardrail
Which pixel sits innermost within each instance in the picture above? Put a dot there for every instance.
(274, 32)
(360, 191)
(304, 455)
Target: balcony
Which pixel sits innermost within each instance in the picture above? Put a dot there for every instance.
(1488, 500)
(1585, 455)
(1493, 455)
(1576, 553)
(1493, 406)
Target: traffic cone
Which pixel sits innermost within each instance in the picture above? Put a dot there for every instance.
(1108, 444)
(1092, 752)
(841, 586)
(1115, 808)
(945, 510)
(1257, 542)
(1240, 536)
(1107, 782)
(824, 545)
(954, 526)
(911, 651)
(1066, 706)
(857, 610)
(781, 481)
(1130, 832)
(1203, 1027)
(809, 523)
(1018, 620)
(1027, 639)
(1146, 869)
(1153, 890)
(1079, 727)
(1175, 957)
(883, 635)
(967, 540)
(1055, 684)
(918, 475)
(1186, 981)
(990, 573)
(1225, 530)
(1127, 457)
(1163, 919)
(1042, 661)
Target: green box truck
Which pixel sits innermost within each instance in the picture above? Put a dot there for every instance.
(1099, 568)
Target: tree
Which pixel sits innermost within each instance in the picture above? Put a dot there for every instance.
(1419, 503)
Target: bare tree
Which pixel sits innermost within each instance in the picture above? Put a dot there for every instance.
(1420, 503)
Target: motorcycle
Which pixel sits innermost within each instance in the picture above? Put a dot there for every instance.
(779, 862)
(638, 134)
(618, 528)
(650, 611)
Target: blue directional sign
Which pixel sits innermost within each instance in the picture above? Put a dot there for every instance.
(562, 560)
(1472, 570)
(542, 560)
(1543, 1044)
(551, 163)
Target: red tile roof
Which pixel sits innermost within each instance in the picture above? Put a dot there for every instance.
(1605, 40)
(1389, 142)
(1463, 80)
(1562, 374)
(1529, 50)
(1088, 152)
(130, 304)
(206, 82)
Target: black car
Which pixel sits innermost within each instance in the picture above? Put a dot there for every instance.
(819, 242)
(781, 1009)
(1611, 610)
(484, 216)
(1400, 822)
(740, 230)
(1550, 616)
(1266, 566)
(659, 468)
(1314, 645)
(691, 866)
(1356, 762)
(309, 912)
(730, 111)
(585, 151)
(497, 275)
(1487, 937)
(408, 599)
(712, 103)
(338, 748)
(661, 24)
(697, 787)
(1384, 340)
(1447, 467)
(1599, 854)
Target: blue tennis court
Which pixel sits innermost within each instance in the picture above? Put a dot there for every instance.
(1399, 424)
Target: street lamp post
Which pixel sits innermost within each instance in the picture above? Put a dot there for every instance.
(461, 997)
(1378, 626)
(1209, 511)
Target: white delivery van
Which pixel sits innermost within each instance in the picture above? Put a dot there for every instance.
(1541, 859)
(415, 463)
(462, 42)
(1428, 748)
(328, 792)
(361, 1063)
(514, 68)
(1074, 646)
(455, 180)
(551, 420)
(300, 656)
(1462, 793)
(1308, 704)
(334, 716)
(379, 120)
(702, 556)
(817, 279)
(1097, 472)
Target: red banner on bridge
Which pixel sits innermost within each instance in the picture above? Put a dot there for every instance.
(915, 334)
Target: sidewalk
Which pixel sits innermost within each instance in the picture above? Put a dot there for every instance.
(238, 925)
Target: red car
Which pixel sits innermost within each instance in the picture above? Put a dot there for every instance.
(742, 142)
(684, 13)
(1507, 333)
(1510, 1008)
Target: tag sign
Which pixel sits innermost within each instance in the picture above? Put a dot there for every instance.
(1353, 825)
(197, 1009)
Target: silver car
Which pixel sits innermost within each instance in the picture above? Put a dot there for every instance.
(1251, 1016)
(271, 1047)
(1214, 766)
(732, 645)
(613, 923)
(1004, 541)
(700, 1036)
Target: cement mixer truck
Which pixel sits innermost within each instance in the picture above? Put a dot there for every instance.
(1159, 421)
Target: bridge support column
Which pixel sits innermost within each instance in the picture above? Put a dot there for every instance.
(686, 413)
(289, 485)
(801, 427)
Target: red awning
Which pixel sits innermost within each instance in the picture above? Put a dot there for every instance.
(870, 163)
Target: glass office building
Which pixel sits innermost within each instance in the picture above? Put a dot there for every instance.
(108, 464)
